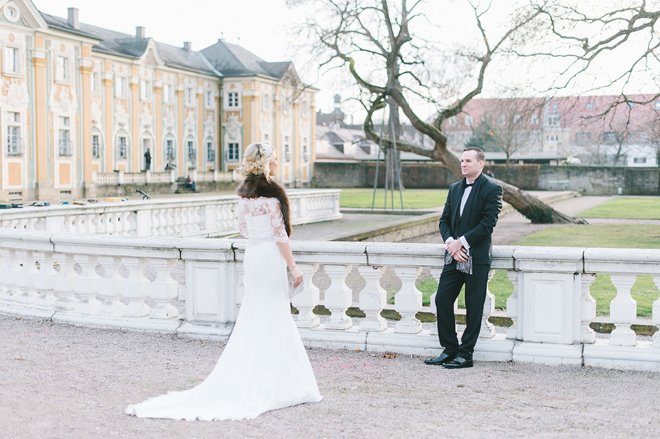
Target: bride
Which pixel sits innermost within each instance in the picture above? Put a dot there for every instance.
(264, 365)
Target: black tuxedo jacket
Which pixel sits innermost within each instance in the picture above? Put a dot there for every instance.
(479, 216)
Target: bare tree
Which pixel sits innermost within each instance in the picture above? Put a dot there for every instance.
(608, 46)
(374, 40)
(511, 125)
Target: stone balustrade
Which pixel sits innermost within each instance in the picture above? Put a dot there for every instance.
(182, 216)
(194, 287)
(135, 178)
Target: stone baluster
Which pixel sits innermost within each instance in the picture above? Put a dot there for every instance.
(164, 290)
(372, 298)
(307, 299)
(136, 288)
(26, 275)
(155, 223)
(408, 301)
(656, 314)
(63, 283)
(588, 310)
(44, 277)
(86, 284)
(338, 297)
(512, 307)
(8, 269)
(487, 328)
(110, 287)
(623, 311)
(435, 273)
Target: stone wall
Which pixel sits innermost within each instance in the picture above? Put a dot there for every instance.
(601, 180)
(592, 180)
(415, 175)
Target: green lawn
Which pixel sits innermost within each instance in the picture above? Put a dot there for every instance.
(628, 236)
(412, 198)
(602, 290)
(626, 208)
(596, 235)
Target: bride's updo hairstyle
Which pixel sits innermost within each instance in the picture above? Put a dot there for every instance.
(256, 158)
(256, 170)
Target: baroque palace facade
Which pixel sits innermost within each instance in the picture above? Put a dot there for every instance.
(78, 102)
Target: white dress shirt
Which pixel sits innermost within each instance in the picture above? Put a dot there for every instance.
(466, 194)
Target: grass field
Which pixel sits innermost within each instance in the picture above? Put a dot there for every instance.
(644, 290)
(626, 208)
(412, 198)
(596, 235)
(602, 290)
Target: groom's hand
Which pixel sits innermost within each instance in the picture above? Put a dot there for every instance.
(457, 251)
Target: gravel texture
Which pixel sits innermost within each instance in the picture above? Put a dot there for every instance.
(62, 381)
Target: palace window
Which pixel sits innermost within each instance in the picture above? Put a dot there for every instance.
(14, 146)
(190, 96)
(145, 90)
(287, 150)
(232, 99)
(121, 86)
(232, 152)
(170, 152)
(534, 119)
(95, 83)
(208, 98)
(167, 93)
(210, 151)
(305, 152)
(65, 148)
(96, 146)
(12, 64)
(265, 105)
(639, 160)
(191, 150)
(122, 147)
(62, 68)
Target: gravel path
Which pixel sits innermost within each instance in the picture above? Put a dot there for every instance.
(61, 381)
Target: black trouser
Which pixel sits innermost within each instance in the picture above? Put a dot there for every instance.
(451, 281)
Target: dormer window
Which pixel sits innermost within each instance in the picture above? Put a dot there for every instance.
(232, 99)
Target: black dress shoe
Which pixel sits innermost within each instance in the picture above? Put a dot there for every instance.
(458, 363)
(439, 360)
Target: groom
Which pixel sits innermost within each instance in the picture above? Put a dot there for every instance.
(466, 225)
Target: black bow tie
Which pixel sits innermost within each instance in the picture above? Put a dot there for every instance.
(466, 184)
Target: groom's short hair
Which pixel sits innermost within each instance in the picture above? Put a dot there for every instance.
(481, 156)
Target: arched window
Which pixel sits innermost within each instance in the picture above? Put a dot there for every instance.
(169, 150)
(147, 145)
(191, 151)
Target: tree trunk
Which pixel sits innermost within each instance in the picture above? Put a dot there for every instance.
(529, 206)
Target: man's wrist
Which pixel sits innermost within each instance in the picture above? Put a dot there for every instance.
(464, 242)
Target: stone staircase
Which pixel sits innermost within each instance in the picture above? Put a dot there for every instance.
(182, 187)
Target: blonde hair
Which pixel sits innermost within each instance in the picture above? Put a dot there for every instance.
(256, 158)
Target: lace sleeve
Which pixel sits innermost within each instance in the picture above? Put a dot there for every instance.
(241, 213)
(277, 221)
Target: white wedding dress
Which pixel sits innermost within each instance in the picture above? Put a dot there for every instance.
(264, 365)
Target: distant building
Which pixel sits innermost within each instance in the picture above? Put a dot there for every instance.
(78, 101)
(337, 140)
(569, 127)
